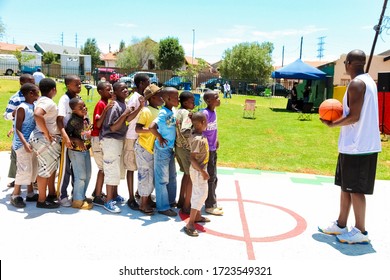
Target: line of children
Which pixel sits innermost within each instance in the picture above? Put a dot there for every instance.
(161, 133)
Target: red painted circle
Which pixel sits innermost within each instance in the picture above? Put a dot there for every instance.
(299, 228)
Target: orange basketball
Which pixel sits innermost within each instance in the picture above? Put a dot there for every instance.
(330, 110)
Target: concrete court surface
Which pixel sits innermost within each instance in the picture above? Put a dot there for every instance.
(270, 220)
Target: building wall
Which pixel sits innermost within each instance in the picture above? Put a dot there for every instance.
(341, 78)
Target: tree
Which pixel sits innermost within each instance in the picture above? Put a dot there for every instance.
(49, 58)
(90, 47)
(23, 57)
(127, 59)
(248, 61)
(193, 70)
(122, 46)
(2, 29)
(144, 50)
(170, 54)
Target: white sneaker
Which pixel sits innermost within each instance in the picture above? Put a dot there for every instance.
(333, 229)
(65, 202)
(355, 236)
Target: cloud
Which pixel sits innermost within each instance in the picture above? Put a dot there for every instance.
(288, 32)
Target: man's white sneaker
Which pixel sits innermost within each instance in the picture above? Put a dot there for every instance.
(65, 202)
(355, 236)
(333, 229)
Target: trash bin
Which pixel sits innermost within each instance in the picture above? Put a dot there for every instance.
(187, 86)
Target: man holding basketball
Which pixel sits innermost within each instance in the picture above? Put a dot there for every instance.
(359, 145)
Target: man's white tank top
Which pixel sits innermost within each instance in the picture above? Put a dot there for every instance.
(362, 137)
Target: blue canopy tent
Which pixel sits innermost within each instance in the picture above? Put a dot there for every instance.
(300, 71)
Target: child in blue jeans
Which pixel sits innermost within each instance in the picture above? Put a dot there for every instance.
(78, 129)
(164, 128)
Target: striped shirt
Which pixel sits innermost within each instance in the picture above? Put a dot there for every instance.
(13, 103)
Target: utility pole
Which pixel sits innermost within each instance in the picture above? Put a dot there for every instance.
(321, 47)
(300, 51)
(282, 56)
(377, 29)
(193, 45)
(62, 38)
(76, 40)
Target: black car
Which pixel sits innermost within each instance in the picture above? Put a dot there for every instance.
(215, 83)
(280, 90)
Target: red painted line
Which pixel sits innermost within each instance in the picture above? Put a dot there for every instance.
(245, 228)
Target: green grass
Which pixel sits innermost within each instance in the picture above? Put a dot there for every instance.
(274, 141)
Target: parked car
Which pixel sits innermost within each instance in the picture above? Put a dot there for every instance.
(280, 90)
(129, 79)
(215, 83)
(177, 82)
(255, 89)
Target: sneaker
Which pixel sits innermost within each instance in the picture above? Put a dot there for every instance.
(51, 198)
(333, 229)
(355, 236)
(48, 204)
(82, 204)
(65, 202)
(18, 202)
(111, 207)
(214, 211)
(119, 199)
(133, 204)
(32, 198)
(99, 201)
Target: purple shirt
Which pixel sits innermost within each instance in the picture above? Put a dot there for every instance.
(211, 131)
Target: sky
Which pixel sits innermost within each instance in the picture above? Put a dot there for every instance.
(205, 28)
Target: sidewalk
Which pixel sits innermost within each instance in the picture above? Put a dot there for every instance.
(270, 218)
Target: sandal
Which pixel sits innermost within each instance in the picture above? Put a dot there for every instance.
(203, 220)
(147, 211)
(191, 232)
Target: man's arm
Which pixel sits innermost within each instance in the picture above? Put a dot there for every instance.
(356, 90)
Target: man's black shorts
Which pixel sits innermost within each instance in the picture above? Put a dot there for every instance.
(356, 173)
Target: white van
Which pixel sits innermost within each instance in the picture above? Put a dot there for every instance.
(9, 64)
